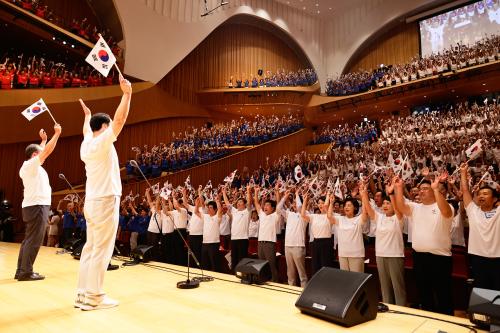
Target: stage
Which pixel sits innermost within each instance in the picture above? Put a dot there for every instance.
(150, 302)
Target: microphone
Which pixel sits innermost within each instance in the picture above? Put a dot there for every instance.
(63, 177)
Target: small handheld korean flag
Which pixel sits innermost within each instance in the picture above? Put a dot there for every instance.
(298, 175)
(35, 109)
(101, 57)
(475, 150)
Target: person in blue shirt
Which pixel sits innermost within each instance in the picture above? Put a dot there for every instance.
(138, 226)
(69, 221)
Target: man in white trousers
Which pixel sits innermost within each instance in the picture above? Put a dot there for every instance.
(102, 201)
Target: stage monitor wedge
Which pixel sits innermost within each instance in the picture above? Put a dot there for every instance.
(343, 297)
(252, 271)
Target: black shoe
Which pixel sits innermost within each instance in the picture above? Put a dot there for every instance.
(112, 267)
(31, 277)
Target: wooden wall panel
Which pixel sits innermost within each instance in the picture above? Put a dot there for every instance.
(231, 50)
(397, 46)
(217, 170)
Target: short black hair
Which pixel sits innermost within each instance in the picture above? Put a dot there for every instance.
(212, 204)
(32, 148)
(272, 203)
(354, 202)
(494, 192)
(243, 199)
(97, 120)
(425, 181)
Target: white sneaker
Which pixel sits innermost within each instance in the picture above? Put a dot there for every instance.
(106, 303)
(79, 300)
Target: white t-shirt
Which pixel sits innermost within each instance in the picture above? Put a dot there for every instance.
(36, 184)
(268, 225)
(101, 165)
(253, 229)
(457, 230)
(180, 218)
(389, 236)
(239, 225)
(350, 236)
(484, 231)
(153, 226)
(225, 225)
(167, 224)
(195, 225)
(320, 226)
(295, 232)
(54, 225)
(430, 230)
(211, 231)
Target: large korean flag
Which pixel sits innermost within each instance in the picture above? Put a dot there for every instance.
(101, 57)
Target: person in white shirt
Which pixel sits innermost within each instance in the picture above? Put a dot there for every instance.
(484, 233)
(36, 203)
(167, 230)
(320, 230)
(102, 201)
(154, 227)
(350, 234)
(239, 227)
(211, 234)
(389, 246)
(225, 229)
(180, 217)
(268, 225)
(253, 226)
(295, 243)
(195, 224)
(53, 232)
(431, 240)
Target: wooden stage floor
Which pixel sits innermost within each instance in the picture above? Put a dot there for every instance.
(150, 302)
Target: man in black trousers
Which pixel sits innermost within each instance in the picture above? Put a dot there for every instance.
(36, 203)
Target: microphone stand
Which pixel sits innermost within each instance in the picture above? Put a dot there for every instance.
(188, 283)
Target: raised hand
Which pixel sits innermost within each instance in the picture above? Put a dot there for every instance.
(43, 135)
(57, 129)
(86, 110)
(125, 85)
(389, 188)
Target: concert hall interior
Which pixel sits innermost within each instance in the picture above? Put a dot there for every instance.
(296, 164)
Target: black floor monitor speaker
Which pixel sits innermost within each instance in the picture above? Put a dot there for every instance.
(346, 298)
(253, 271)
(484, 308)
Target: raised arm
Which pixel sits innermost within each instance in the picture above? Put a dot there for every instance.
(43, 136)
(443, 205)
(249, 198)
(122, 111)
(303, 210)
(219, 209)
(51, 145)
(365, 201)
(256, 199)
(401, 205)
(389, 189)
(86, 122)
(148, 198)
(464, 185)
(329, 214)
(224, 195)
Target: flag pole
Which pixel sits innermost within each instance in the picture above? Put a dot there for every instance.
(51, 116)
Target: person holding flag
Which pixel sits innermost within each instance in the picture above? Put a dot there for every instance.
(36, 203)
(102, 201)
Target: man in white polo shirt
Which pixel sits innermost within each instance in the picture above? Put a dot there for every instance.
(431, 241)
(211, 233)
(295, 240)
(239, 227)
(484, 233)
(102, 201)
(268, 225)
(36, 203)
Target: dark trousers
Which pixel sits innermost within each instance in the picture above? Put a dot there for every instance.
(167, 248)
(433, 279)
(322, 253)
(267, 251)
(180, 252)
(239, 250)
(195, 242)
(154, 240)
(36, 218)
(67, 235)
(209, 253)
(485, 271)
